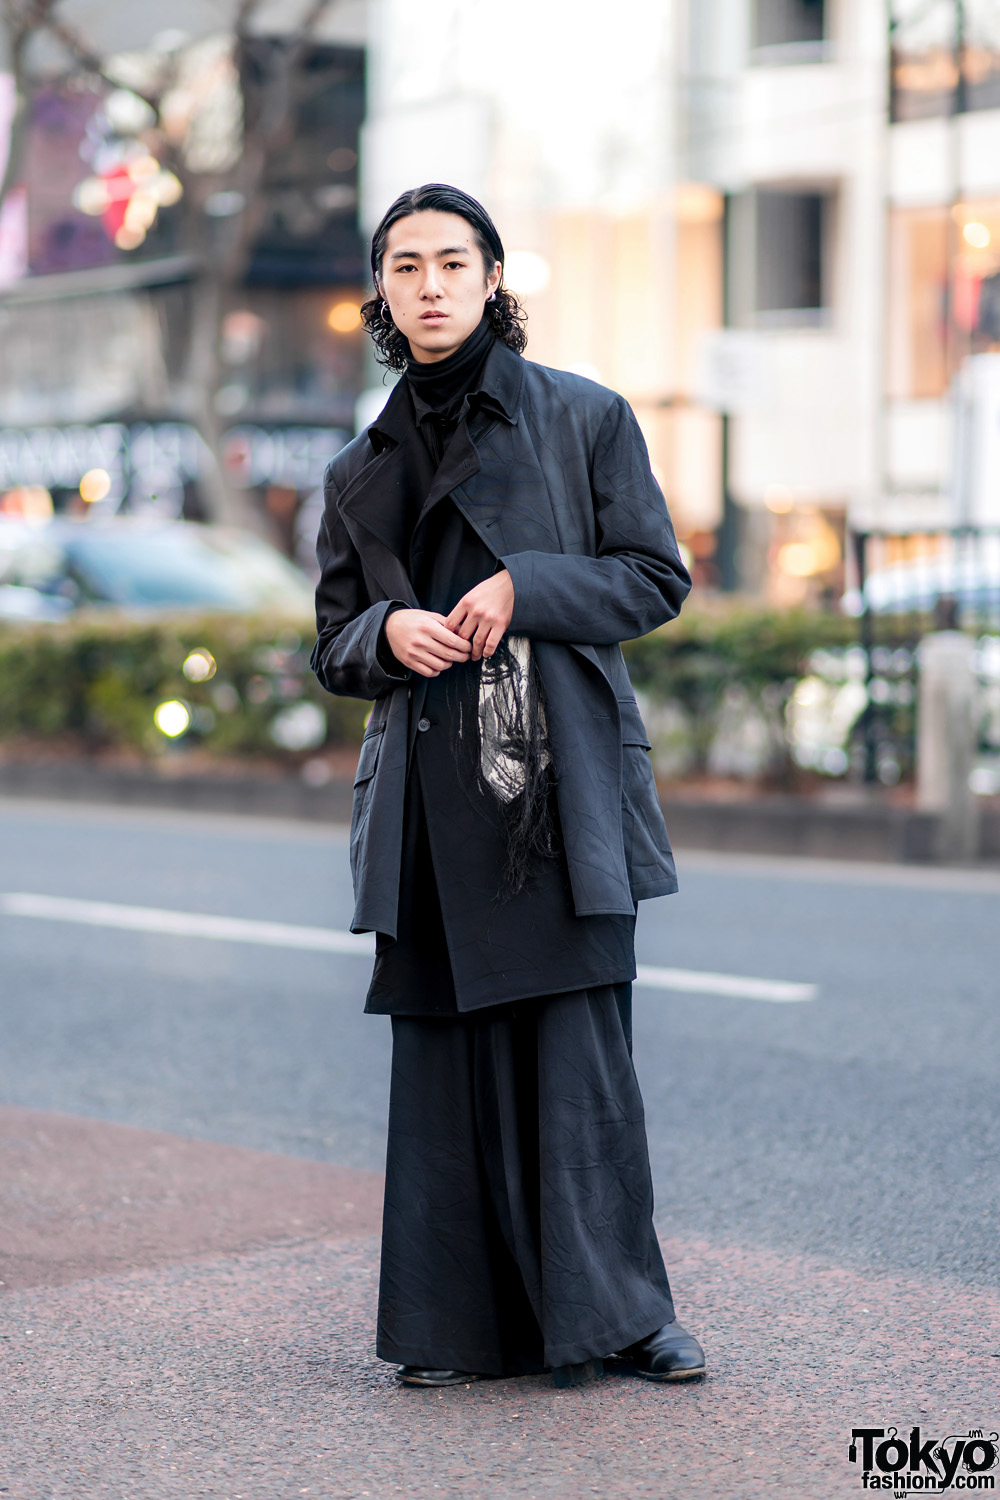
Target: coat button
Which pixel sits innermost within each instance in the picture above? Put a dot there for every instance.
(423, 724)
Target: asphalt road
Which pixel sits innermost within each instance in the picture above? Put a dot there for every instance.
(826, 1178)
(864, 1124)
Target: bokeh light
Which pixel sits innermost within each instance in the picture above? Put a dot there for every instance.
(200, 665)
(30, 502)
(344, 317)
(95, 485)
(172, 718)
(526, 272)
(779, 499)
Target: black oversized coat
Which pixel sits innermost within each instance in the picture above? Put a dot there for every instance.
(555, 480)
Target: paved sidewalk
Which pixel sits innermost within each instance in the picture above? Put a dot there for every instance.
(183, 1319)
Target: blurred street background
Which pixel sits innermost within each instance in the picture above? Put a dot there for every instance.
(774, 226)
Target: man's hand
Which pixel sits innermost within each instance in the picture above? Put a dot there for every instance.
(483, 614)
(422, 641)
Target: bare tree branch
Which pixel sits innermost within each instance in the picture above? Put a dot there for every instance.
(223, 248)
(244, 16)
(314, 16)
(91, 62)
(273, 125)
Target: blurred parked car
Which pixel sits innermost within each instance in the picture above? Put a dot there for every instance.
(49, 570)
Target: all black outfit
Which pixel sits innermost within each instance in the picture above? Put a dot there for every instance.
(518, 1209)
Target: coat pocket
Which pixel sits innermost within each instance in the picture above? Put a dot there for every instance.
(633, 729)
(368, 758)
(647, 848)
(363, 785)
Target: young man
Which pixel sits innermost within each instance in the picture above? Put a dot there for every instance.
(486, 545)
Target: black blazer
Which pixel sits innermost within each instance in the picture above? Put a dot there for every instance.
(554, 477)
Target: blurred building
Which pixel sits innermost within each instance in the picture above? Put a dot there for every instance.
(943, 263)
(773, 224)
(102, 307)
(564, 122)
(784, 115)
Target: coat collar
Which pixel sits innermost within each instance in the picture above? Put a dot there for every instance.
(371, 504)
(499, 388)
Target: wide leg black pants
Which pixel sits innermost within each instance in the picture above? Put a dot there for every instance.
(518, 1227)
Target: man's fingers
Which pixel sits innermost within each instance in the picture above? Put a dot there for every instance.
(429, 643)
(443, 636)
(444, 651)
(489, 634)
(479, 640)
(461, 623)
(439, 653)
(492, 641)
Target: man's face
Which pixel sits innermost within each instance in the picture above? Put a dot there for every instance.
(435, 283)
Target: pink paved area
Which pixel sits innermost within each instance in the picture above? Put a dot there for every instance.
(183, 1319)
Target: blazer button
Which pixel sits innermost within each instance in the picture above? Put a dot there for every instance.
(423, 724)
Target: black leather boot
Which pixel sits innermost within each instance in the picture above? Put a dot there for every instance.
(671, 1353)
(415, 1375)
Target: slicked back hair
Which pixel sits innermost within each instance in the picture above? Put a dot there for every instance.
(504, 313)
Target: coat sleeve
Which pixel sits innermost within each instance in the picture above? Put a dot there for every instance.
(346, 656)
(635, 582)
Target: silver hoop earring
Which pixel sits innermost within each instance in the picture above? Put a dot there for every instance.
(382, 313)
(492, 297)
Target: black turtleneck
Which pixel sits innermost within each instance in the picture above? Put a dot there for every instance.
(441, 387)
(450, 557)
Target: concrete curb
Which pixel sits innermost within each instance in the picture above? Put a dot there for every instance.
(264, 796)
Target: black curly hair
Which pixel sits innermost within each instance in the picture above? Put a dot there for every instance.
(504, 313)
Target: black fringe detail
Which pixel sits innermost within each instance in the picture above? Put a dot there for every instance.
(517, 731)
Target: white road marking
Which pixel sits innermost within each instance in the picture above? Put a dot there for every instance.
(327, 940)
(735, 986)
(186, 924)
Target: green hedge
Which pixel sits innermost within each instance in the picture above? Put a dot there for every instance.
(701, 660)
(97, 682)
(698, 655)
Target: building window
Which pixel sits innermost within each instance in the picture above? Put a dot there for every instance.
(779, 254)
(945, 57)
(789, 31)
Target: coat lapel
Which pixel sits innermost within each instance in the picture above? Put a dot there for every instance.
(506, 499)
(374, 505)
(491, 472)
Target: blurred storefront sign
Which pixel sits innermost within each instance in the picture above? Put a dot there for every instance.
(150, 464)
(58, 457)
(291, 456)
